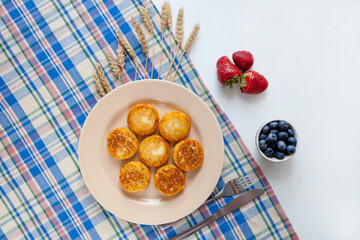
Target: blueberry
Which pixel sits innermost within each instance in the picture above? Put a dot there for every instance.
(262, 137)
(283, 125)
(290, 149)
(266, 130)
(271, 138)
(280, 155)
(262, 145)
(290, 132)
(283, 136)
(269, 152)
(281, 146)
(292, 141)
(274, 131)
(272, 145)
(274, 125)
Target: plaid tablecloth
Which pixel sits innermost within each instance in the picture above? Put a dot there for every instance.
(48, 51)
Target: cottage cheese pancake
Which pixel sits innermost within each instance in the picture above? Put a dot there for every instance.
(134, 176)
(188, 154)
(143, 119)
(154, 151)
(122, 143)
(174, 126)
(169, 180)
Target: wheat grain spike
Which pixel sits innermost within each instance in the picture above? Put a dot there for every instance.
(141, 35)
(113, 64)
(120, 54)
(168, 15)
(192, 37)
(98, 85)
(125, 44)
(163, 20)
(147, 19)
(180, 26)
(102, 78)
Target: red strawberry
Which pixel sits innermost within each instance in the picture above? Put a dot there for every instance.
(227, 72)
(243, 60)
(253, 82)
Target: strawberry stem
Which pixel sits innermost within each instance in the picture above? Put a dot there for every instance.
(242, 80)
(235, 80)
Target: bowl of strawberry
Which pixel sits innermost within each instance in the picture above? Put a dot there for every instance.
(276, 140)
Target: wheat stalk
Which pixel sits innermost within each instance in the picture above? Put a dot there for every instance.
(98, 85)
(188, 44)
(169, 24)
(150, 27)
(179, 35)
(120, 55)
(153, 55)
(166, 17)
(102, 78)
(113, 64)
(128, 48)
(142, 39)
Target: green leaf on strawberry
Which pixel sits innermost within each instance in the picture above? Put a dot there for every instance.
(229, 83)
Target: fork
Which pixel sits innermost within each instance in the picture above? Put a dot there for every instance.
(231, 188)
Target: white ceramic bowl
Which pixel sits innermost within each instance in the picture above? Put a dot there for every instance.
(274, 159)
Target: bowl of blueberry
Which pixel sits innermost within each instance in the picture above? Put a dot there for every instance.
(276, 140)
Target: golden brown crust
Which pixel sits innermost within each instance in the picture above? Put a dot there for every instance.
(154, 151)
(143, 119)
(174, 126)
(169, 180)
(188, 154)
(134, 176)
(122, 143)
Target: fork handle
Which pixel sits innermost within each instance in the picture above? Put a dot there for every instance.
(211, 199)
(167, 225)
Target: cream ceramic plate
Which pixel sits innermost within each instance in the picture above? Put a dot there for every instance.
(101, 172)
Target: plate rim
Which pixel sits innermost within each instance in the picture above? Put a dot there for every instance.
(148, 81)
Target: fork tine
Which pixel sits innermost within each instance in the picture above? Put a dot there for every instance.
(244, 182)
(240, 183)
(244, 179)
(237, 181)
(243, 185)
(251, 175)
(241, 188)
(249, 181)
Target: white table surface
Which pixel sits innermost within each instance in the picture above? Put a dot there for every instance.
(309, 51)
